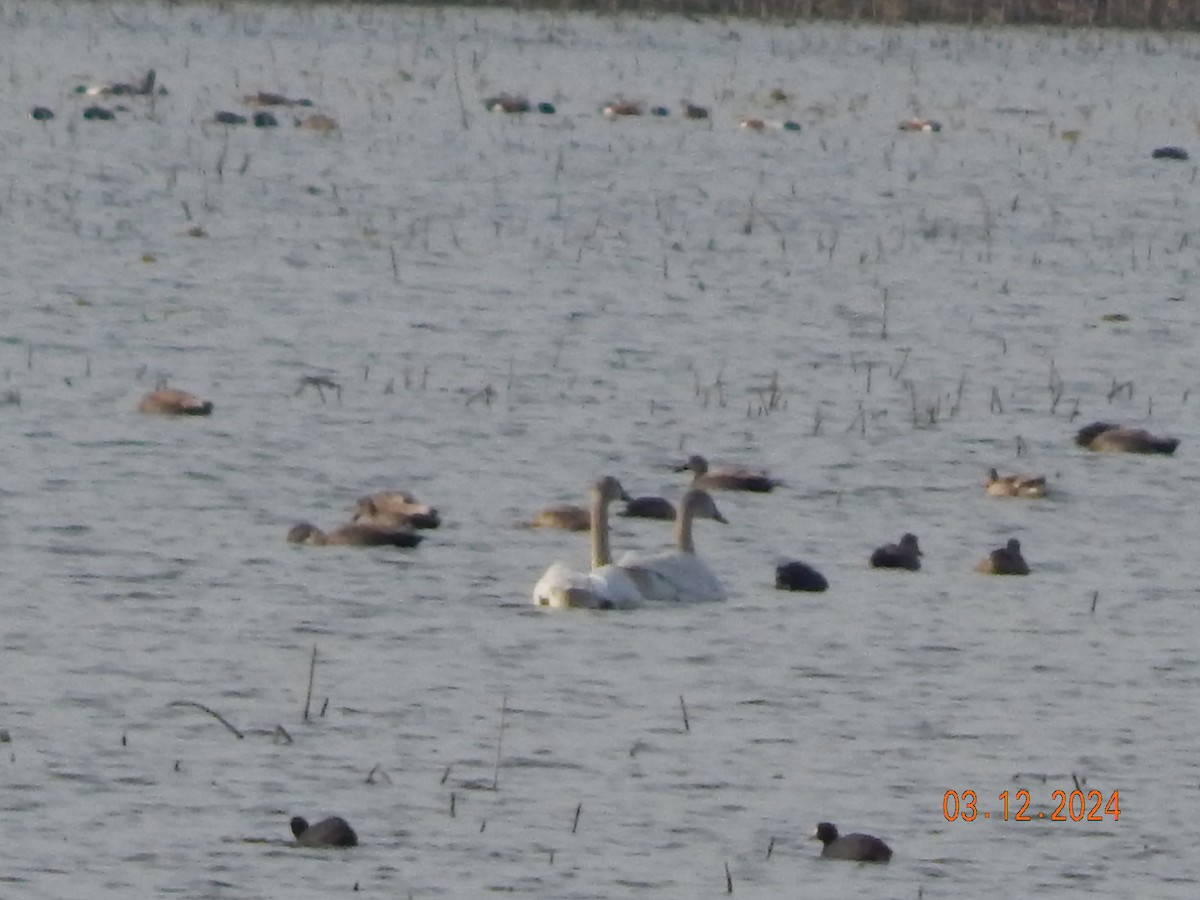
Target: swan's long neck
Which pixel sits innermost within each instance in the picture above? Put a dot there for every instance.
(601, 554)
(683, 526)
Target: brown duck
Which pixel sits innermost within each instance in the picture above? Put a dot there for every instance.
(998, 485)
(353, 535)
(1006, 560)
(174, 402)
(1105, 437)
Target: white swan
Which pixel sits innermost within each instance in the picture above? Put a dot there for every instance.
(605, 586)
(679, 576)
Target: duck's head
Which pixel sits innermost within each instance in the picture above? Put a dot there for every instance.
(909, 544)
(695, 463)
(1013, 546)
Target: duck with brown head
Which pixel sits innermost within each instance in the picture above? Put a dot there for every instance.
(566, 517)
(396, 508)
(166, 401)
(604, 586)
(355, 534)
(1105, 437)
(1028, 486)
(726, 478)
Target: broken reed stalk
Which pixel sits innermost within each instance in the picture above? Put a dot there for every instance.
(770, 848)
(1095, 597)
(499, 743)
(312, 670)
(575, 824)
(212, 712)
(683, 706)
(728, 880)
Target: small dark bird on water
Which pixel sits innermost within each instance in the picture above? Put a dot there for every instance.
(905, 555)
(798, 576)
(1106, 437)
(332, 832)
(854, 847)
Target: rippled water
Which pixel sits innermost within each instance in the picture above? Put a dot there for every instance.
(629, 291)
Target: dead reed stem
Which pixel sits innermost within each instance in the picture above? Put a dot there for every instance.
(312, 670)
(499, 743)
(212, 712)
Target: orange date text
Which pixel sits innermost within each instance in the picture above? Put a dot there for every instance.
(1069, 806)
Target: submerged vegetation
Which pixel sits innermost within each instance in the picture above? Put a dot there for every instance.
(1160, 14)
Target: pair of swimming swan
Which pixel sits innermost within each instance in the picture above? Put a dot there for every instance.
(677, 576)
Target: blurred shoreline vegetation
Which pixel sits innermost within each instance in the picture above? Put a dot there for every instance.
(1137, 14)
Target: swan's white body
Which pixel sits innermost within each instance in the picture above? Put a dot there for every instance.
(679, 576)
(605, 586)
(674, 577)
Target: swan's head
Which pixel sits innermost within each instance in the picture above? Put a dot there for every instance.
(696, 464)
(608, 489)
(702, 506)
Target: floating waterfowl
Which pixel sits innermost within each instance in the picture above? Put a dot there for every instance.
(1169, 153)
(691, 111)
(396, 508)
(726, 478)
(679, 576)
(546, 109)
(1006, 560)
(1032, 486)
(1105, 437)
(174, 402)
(273, 98)
(98, 113)
(920, 125)
(759, 124)
(224, 117)
(41, 114)
(854, 847)
(506, 103)
(567, 517)
(332, 832)
(660, 111)
(121, 89)
(621, 108)
(604, 586)
(799, 576)
(649, 508)
(264, 119)
(318, 122)
(356, 534)
(904, 555)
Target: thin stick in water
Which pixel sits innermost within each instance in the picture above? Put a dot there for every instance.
(578, 810)
(499, 743)
(312, 669)
(728, 880)
(683, 706)
(216, 715)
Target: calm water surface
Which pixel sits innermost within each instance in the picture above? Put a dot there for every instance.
(514, 306)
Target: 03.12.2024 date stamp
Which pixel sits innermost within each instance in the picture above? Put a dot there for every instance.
(1069, 806)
